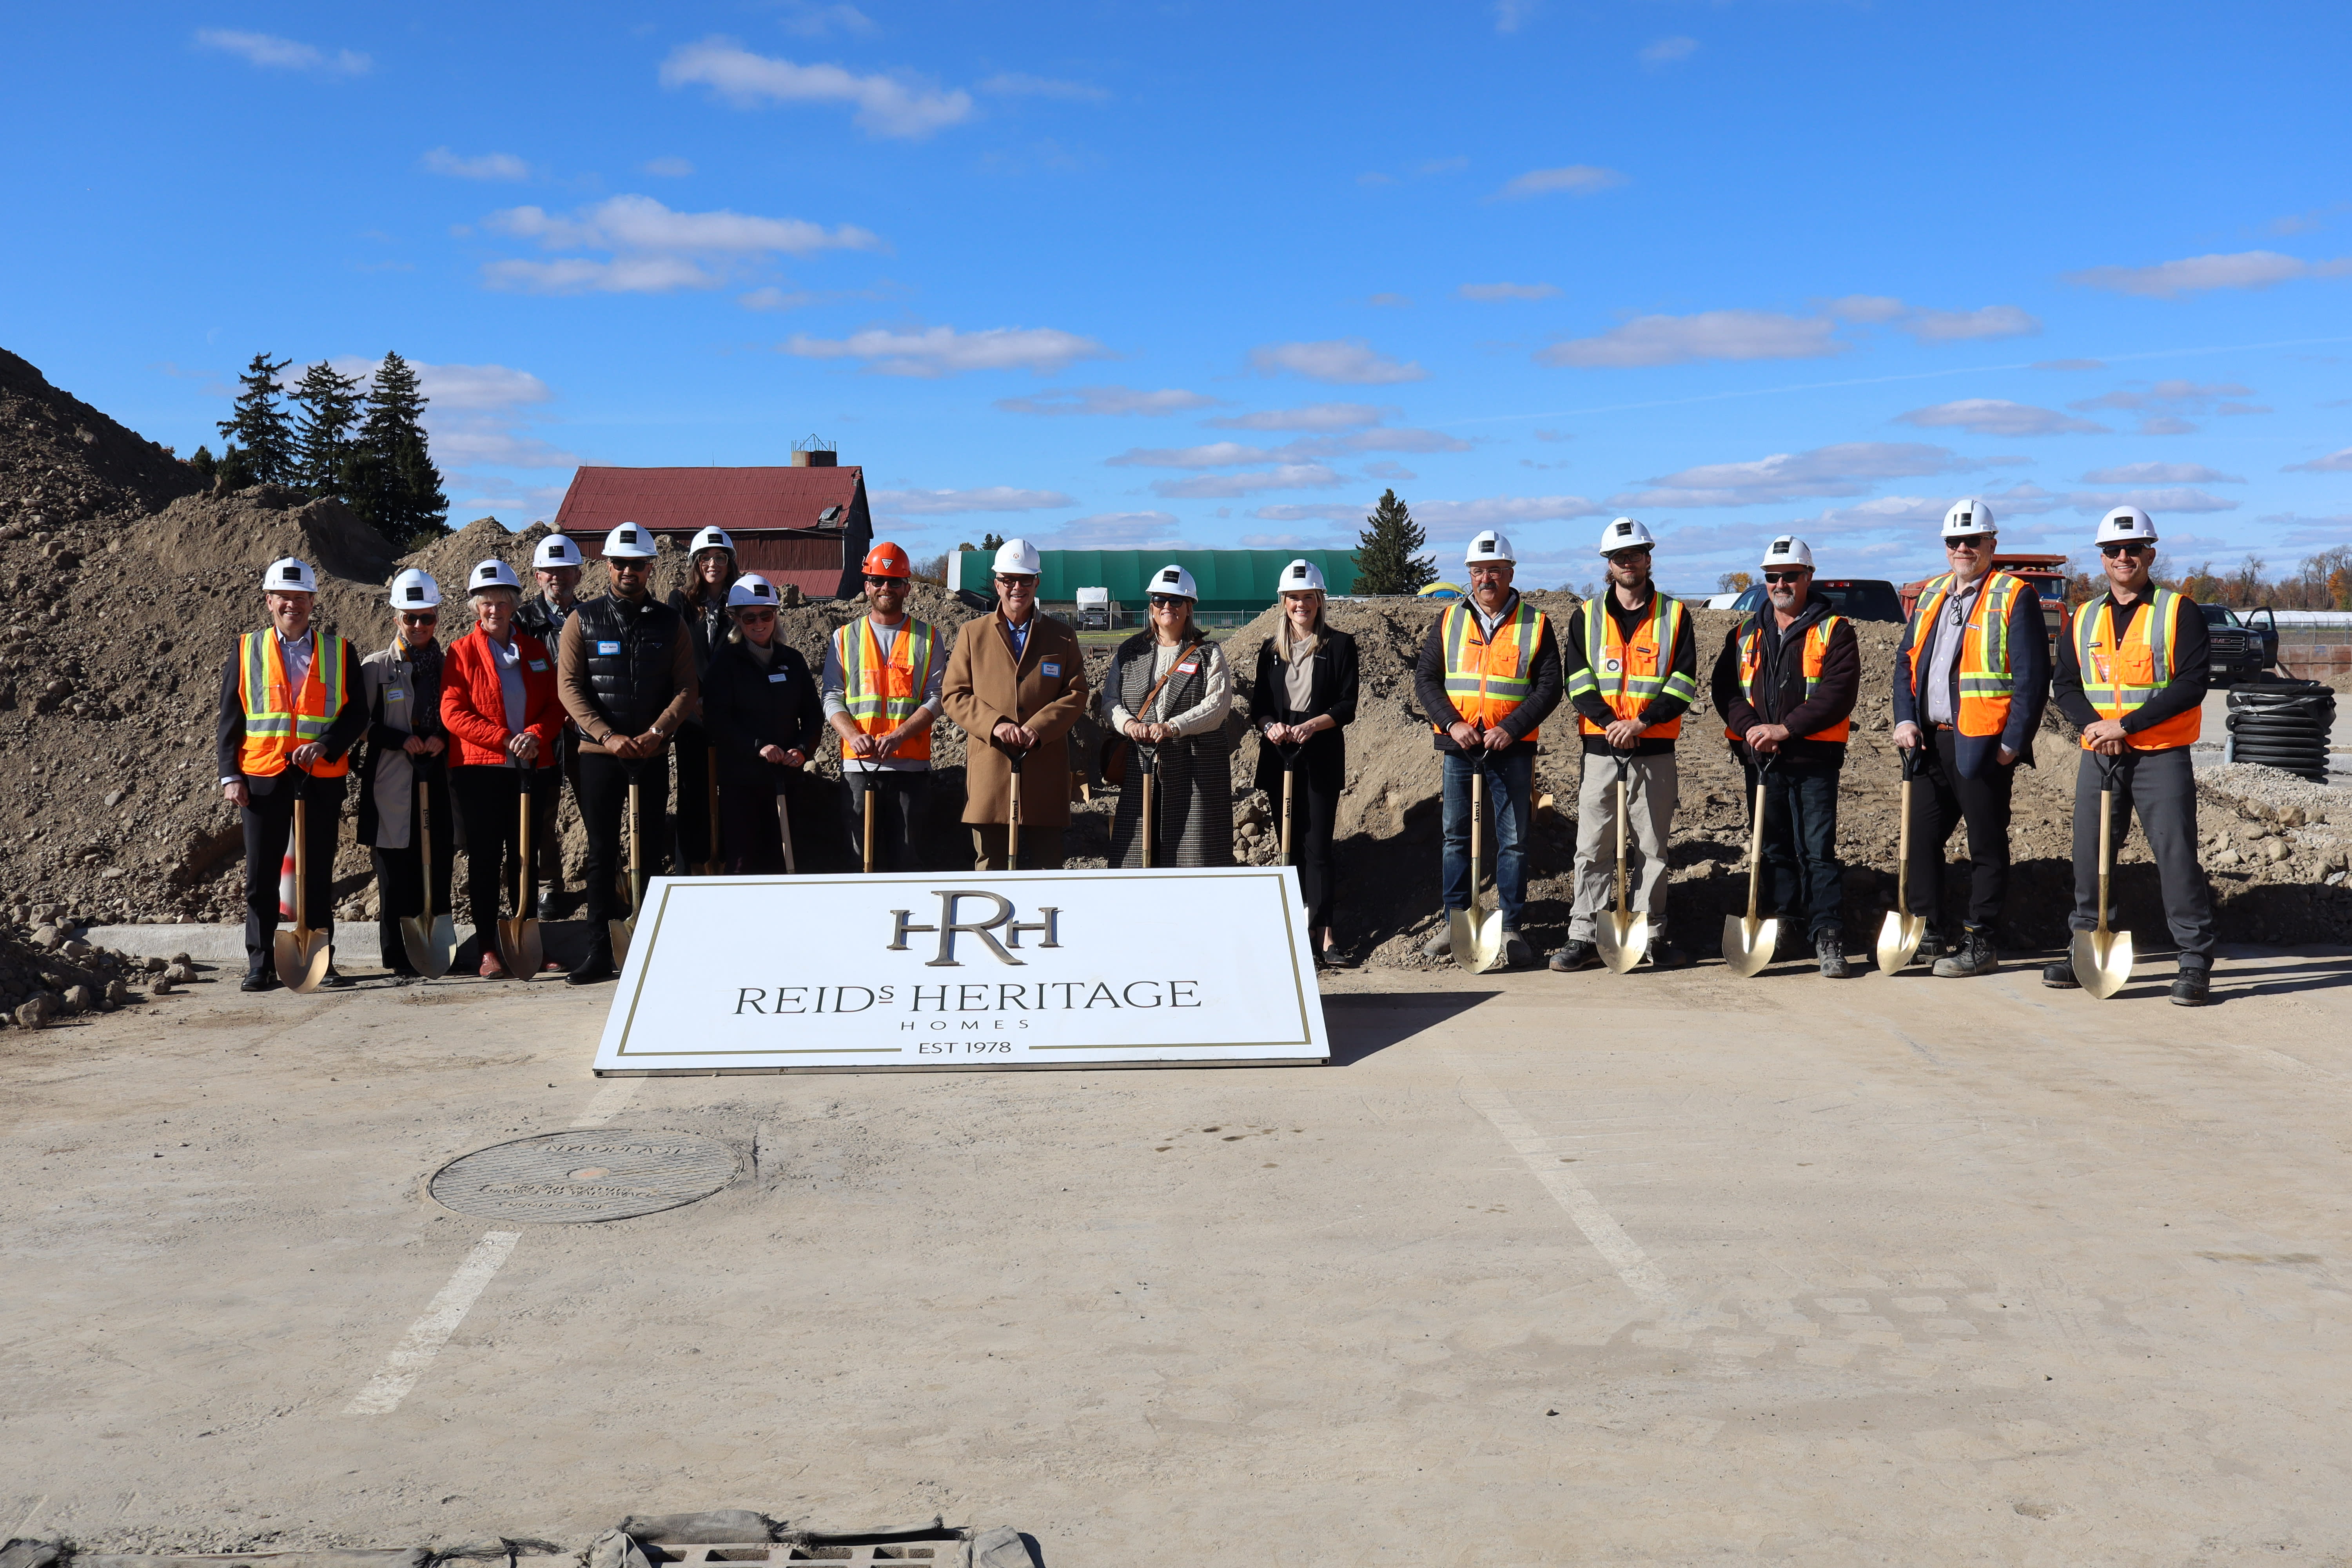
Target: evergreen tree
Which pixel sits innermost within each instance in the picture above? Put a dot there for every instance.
(258, 423)
(387, 476)
(203, 462)
(235, 471)
(991, 541)
(329, 407)
(1388, 552)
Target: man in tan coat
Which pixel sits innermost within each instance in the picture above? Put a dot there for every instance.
(1016, 683)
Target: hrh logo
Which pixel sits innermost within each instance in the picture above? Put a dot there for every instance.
(1048, 924)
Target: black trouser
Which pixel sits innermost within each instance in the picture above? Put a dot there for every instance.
(2162, 787)
(604, 805)
(490, 798)
(546, 800)
(1315, 816)
(1802, 879)
(693, 819)
(268, 823)
(897, 803)
(752, 838)
(1940, 801)
(400, 877)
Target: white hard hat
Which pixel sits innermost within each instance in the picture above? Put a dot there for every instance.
(752, 589)
(414, 589)
(1625, 533)
(1789, 551)
(1018, 558)
(287, 575)
(1173, 579)
(491, 573)
(1488, 546)
(1302, 576)
(711, 539)
(2127, 525)
(555, 550)
(630, 541)
(1967, 516)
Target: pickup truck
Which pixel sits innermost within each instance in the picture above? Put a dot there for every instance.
(2239, 649)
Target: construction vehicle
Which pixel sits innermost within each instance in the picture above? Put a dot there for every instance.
(1096, 611)
(2046, 575)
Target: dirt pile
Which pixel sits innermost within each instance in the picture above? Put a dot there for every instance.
(47, 975)
(63, 461)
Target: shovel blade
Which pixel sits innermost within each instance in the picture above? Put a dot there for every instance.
(1623, 939)
(2103, 962)
(301, 959)
(519, 948)
(621, 931)
(1477, 939)
(431, 946)
(1898, 939)
(1748, 945)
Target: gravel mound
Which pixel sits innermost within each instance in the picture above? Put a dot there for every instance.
(63, 461)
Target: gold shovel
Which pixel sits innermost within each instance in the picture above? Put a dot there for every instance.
(519, 943)
(621, 931)
(2103, 958)
(1748, 945)
(1900, 934)
(1477, 938)
(1622, 936)
(785, 828)
(1149, 814)
(302, 953)
(870, 829)
(1012, 816)
(431, 939)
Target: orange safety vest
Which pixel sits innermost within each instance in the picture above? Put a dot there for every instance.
(1486, 681)
(1986, 684)
(882, 694)
(2120, 674)
(275, 721)
(1817, 648)
(1631, 674)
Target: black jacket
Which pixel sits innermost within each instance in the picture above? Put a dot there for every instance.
(343, 733)
(1429, 685)
(538, 618)
(707, 626)
(745, 708)
(1778, 695)
(1332, 690)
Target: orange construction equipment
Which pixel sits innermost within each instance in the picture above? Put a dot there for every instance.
(2046, 575)
(887, 560)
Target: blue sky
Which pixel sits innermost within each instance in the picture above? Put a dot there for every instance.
(1115, 274)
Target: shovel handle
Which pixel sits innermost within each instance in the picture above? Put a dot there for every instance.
(636, 849)
(1288, 776)
(301, 862)
(523, 877)
(1756, 849)
(2106, 846)
(1903, 847)
(869, 828)
(1477, 826)
(1621, 808)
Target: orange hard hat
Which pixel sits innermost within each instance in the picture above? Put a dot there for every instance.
(887, 560)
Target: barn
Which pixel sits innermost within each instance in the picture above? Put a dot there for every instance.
(804, 524)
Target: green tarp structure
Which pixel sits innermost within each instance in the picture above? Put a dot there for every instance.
(1228, 579)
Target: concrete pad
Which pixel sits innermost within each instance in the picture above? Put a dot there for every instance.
(1670, 1268)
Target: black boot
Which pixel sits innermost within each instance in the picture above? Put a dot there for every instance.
(1577, 955)
(595, 966)
(2059, 976)
(2192, 987)
(1974, 956)
(1664, 953)
(258, 980)
(1830, 947)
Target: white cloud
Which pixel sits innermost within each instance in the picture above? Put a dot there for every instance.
(520, 505)
(1847, 468)
(1293, 541)
(1667, 51)
(1116, 531)
(1510, 16)
(2160, 474)
(1287, 477)
(499, 449)
(2165, 425)
(2070, 364)
(2162, 404)
(1312, 417)
(623, 275)
(667, 168)
(1346, 362)
(1320, 512)
(1214, 454)
(886, 106)
(2333, 463)
(2243, 269)
(274, 53)
(1391, 301)
(1107, 400)
(1710, 334)
(486, 166)
(1464, 517)
(943, 351)
(1997, 416)
(1308, 448)
(950, 503)
(477, 388)
(771, 298)
(1927, 325)
(654, 249)
(1016, 84)
(1490, 293)
(2154, 502)
(1575, 179)
(1403, 438)
(811, 21)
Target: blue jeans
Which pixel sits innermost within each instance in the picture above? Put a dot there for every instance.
(1803, 880)
(1510, 780)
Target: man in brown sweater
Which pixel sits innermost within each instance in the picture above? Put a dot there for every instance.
(1017, 682)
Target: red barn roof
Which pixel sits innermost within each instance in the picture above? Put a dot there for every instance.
(679, 501)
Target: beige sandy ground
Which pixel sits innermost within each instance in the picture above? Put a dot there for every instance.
(1672, 1269)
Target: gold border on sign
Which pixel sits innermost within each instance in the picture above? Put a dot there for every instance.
(1254, 873)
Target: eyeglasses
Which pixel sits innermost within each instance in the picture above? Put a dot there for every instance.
(409, 620)
(2112, 551)
(883, 582)
(1967, 541)
(1169, 601)
(1628, 557)
(754, 617)
(1784, 577)
(1023, 581)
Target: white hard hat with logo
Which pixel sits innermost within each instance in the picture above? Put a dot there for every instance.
(1173, 579)
(2127, 525)
(287, 575)
(712, 538)
(752, 589)
(1967, 517)
(1302, 576)
(414, 589)
(555, 550)
(1488, 546)
(1788, 551)
(1625, 533)
(1018, 558)
(491, 573)
(630, 541)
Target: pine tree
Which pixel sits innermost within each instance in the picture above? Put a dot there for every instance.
(991, 541)
(258, 423)
(203, 462)
(331, 407)
(1388, 552)
(387, 476)
(235, 471)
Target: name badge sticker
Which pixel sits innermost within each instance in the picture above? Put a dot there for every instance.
(1188, 667)
(393, 694)
(608, 647)
(1051, 666)
(780, 678)
(539, 664)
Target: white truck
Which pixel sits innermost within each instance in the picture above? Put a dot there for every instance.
(1097, 612)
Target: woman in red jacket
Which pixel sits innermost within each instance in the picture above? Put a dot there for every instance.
(499, 704)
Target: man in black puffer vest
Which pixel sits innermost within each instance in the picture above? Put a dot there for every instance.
(626, 672)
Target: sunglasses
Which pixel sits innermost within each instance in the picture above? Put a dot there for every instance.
(2113, 550)
(1627, 557)
(407, 620)
(1784, 577)
(1019, 582)
(1169, 601)
(886, 582)
(1967, 541)
(755, 616)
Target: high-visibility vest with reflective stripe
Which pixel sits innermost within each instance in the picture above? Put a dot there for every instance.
(2120, 674)
(1817, 648)
(276, 720)
(1485, 681)
(883, 693)
(1985, 675)
(1631, 674)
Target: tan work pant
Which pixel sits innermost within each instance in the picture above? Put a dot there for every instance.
(1652, 786)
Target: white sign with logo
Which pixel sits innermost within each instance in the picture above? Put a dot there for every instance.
(966, 969)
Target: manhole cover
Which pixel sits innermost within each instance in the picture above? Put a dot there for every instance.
(574, 1178)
